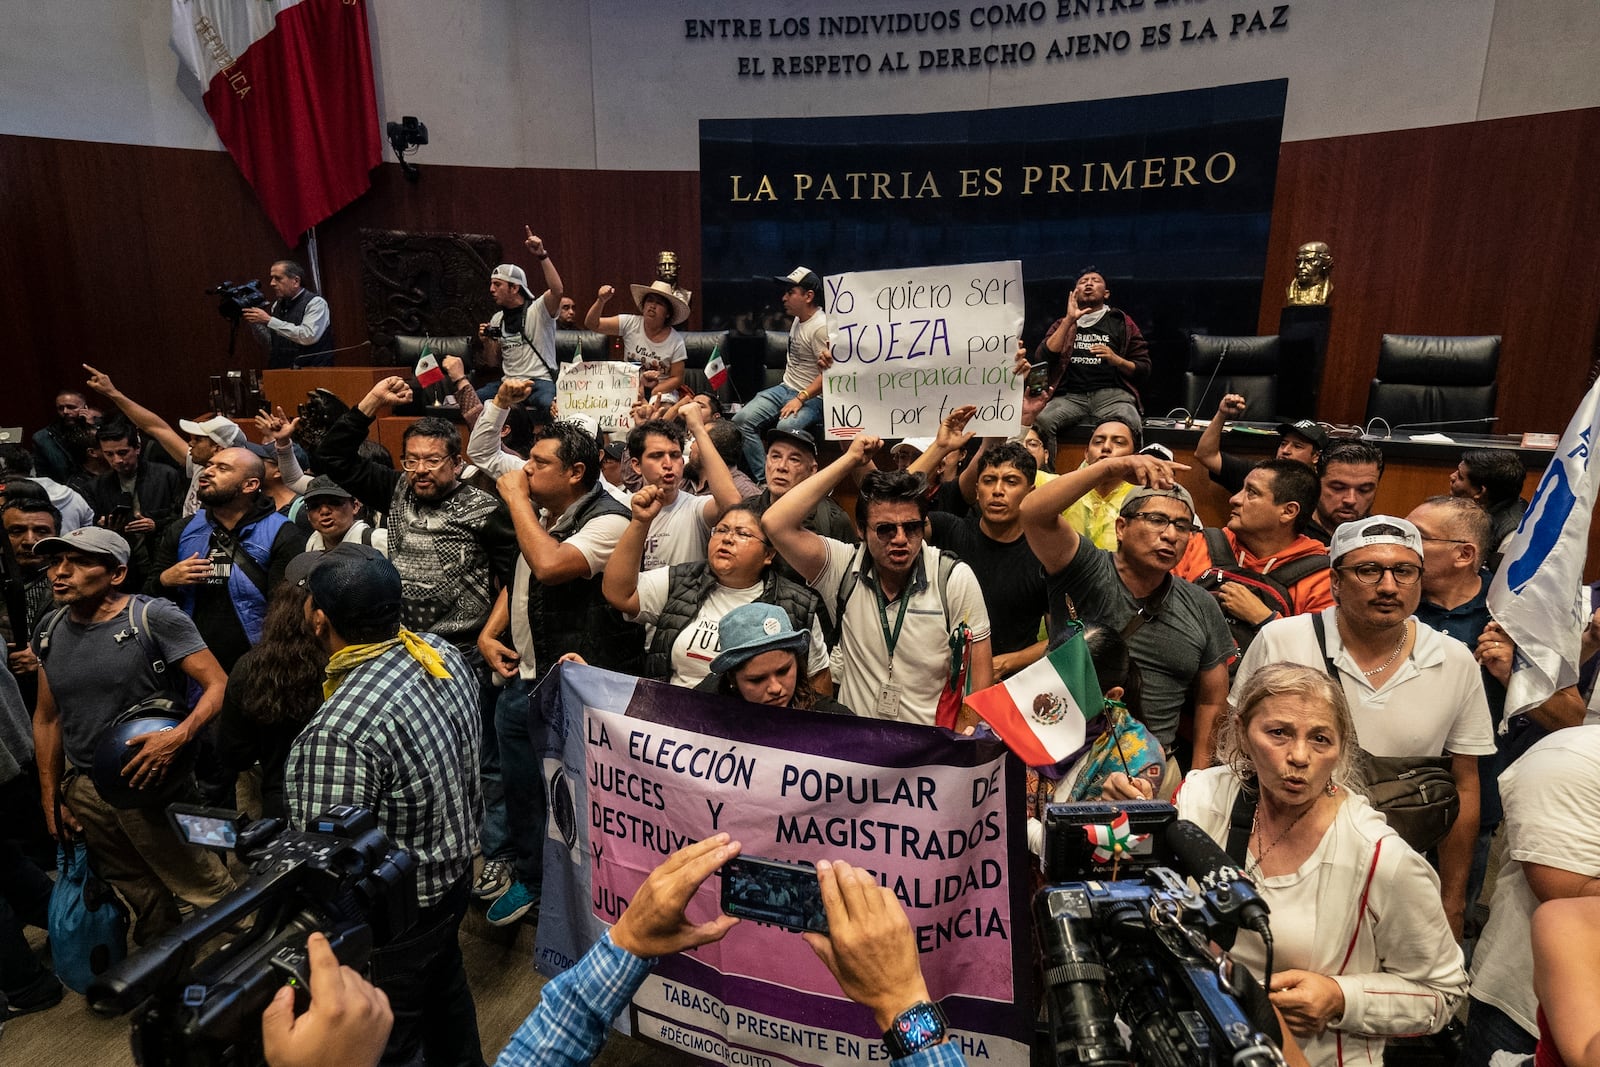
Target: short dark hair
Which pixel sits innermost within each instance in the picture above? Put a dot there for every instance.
(1466, 520)
(292, 269)
(1010, 452)
(1497, 471)
(659, 427)
(575, 445)
(522, 431)
(1134, 432)
(729, 442)
(117, 430)
(29, 504)
(1293, 482)
(891, 487)
(432, 426)
(1089, 269)
(375, 452)
(1354, 453)
(16, 461)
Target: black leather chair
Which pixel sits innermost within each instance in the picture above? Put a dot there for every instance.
(1434, 381)
(408, 349)
(592, 345)
(1249, 367)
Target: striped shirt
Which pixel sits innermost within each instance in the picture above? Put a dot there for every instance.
(404, 745)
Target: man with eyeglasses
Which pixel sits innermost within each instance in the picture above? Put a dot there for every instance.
(1174, 630)
(1413, 691)
(893, 602)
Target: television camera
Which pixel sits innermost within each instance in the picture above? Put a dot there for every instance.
(341, 876)
(1140, 947)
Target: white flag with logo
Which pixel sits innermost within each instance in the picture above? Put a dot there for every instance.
(1534, 596)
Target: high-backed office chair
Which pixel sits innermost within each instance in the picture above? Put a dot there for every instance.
(1249, 367)
(700, 344)
(592, 345)
(1434, 380)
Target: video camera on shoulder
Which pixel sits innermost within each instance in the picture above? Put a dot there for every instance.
(234, 299)
(1124, 935)
(342, 876)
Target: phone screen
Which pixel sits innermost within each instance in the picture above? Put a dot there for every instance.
(779, 892)
(207, 831)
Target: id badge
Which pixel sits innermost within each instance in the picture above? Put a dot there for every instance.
(888, 706)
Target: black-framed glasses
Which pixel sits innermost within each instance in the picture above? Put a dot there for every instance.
(1159, 522)
(885, 531)
(1372, 573)
(737, 534)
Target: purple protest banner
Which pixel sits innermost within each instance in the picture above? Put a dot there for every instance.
(637, 769)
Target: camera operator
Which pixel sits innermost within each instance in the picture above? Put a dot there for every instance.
(295, 326)
(1363, 948)
(870, 949)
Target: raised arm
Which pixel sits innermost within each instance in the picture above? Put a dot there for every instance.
(621, 582)
(278, 431)
(608, 325)
(724, 494)
(1050, 536)
(784, 521)
(338, 456)
(552, 562)
(150, 424)
(483, 444)
(552, 278)
(1066, 330)
(1208, 450)
(952, 437)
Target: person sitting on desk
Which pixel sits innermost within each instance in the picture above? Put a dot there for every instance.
(1303, 441)
(1097, 359)
(294, 327)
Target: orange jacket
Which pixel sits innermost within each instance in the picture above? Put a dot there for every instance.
(1311, 593)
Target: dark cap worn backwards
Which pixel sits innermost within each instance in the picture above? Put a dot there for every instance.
(358, 590)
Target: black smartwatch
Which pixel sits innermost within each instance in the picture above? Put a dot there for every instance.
(920, 1026)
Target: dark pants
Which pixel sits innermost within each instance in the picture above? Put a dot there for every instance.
(1488, 1031)
(435, 1020)
(24, 900)
(523, 776)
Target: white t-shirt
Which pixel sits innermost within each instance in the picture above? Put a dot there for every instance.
(678, 534)
(922, 653)
(1551, 796)
(596, 541)
(650, 355)
(1433, 704)
(519, 353)
(699, 642)
(807, 340)
(379, 540)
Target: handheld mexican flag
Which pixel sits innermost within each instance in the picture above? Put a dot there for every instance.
(1113, 842)
(1040, 712)
(716, 370)
(429, 373)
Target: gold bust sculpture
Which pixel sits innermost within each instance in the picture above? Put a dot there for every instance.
(667, 267)
(1312, 265)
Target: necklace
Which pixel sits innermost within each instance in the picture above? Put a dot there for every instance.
(1405, 631)
(1253, 870)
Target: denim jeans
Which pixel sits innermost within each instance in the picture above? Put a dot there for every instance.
(1489, 1030)
(1097, 406)
(435, 1019)
(524, 781)
(544, 393)
(761, 415)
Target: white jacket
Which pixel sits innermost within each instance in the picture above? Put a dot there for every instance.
(1382, 932)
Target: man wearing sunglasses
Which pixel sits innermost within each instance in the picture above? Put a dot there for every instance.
(893, 603)
(1175, 631)
(1413, 691)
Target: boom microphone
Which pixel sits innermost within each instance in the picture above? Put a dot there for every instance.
(1189, 422)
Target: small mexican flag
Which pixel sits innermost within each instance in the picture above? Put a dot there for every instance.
(429, 372)
(1040, 712)
(716, 370)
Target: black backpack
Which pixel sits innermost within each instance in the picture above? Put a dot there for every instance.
(1271, 588)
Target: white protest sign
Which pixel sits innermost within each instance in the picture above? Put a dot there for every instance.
(910, 345)
(603, 389)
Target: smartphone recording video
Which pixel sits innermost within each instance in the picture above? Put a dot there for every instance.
(779, 892)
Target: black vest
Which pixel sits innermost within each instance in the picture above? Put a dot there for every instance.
(282, 352)
(574, 616)
(688, 585)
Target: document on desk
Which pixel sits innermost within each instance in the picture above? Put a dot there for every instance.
(1433, 438)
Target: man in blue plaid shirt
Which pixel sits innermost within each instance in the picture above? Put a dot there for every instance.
(399, 736)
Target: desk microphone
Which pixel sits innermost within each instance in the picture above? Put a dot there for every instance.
(1188, 424)
(1445, 422)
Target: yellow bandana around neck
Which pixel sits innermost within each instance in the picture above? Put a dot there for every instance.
(352, 656)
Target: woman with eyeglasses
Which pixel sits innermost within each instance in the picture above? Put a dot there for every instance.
(683, 605)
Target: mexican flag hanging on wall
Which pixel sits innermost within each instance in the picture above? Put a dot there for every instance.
(288, 85)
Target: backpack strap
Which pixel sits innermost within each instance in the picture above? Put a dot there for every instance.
(366, 536)
(50, 623)
(947, 567)
(141, 633)
(1241, 820)
(1217, 545)
(833, 623)
(1297, 570)
(1321, 631)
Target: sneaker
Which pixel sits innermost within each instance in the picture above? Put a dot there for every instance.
(519, 899)
(41, 994)
(494, 879)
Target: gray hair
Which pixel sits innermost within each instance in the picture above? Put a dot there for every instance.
(1290, 679)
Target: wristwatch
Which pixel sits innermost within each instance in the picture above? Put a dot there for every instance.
(920, 1026)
